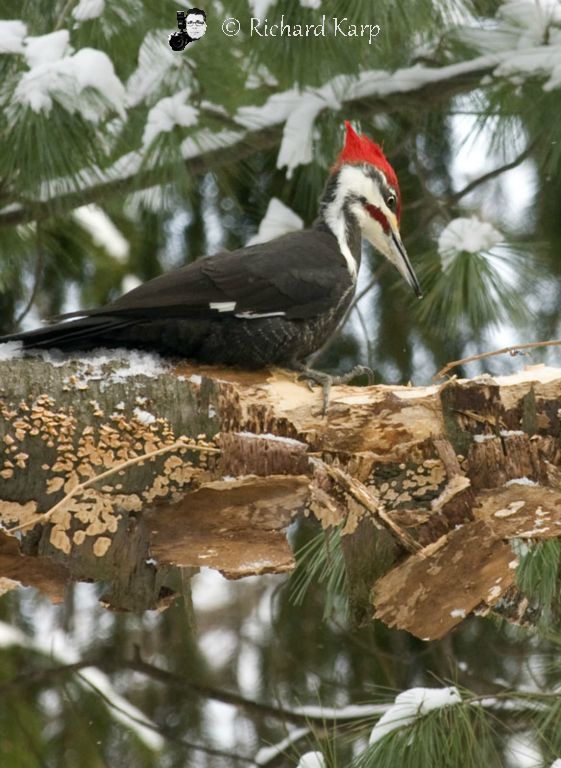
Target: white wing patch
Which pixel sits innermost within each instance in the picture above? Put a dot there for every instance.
(256, 315)
(230, 306)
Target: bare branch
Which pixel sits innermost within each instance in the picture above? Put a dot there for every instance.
(512, 350)
(493, 174)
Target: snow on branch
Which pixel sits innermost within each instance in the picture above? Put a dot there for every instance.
(288, 117)
(60, 648)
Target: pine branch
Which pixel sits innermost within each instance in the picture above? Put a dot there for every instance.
(165, 731)
(37, 273)
(428, 94)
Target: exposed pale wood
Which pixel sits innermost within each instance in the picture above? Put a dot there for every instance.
(407, 472)
(430, 593)
(237, 527)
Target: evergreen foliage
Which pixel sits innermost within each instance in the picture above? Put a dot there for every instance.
(179, 152)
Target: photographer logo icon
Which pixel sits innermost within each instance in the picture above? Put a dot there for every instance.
(192, 26)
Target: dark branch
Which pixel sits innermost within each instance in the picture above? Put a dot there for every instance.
(493, 174)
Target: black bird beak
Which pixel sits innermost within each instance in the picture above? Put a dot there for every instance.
(400, 259)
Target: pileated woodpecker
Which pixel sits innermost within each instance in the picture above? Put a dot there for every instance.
(273, 303)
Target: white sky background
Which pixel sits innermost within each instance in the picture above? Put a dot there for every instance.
(506, 202)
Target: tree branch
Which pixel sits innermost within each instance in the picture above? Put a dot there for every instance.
(512, 350)
(249, 144)
(493, 174)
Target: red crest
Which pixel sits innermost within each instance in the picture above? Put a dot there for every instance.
(360, 149)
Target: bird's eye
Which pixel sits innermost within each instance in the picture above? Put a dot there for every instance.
(391, 202)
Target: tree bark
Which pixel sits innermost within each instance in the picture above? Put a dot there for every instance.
(427, 484)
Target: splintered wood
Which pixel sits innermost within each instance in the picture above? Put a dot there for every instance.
(433, 591)
(427, 485)
(237, 527)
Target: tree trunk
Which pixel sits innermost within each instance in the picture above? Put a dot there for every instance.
(427, 484)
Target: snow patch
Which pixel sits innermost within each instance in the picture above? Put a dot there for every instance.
(276, 438)
(458, 613)
(463, 235)
(88, 9)
(259, 8)
(527, 35)
(66, 79)
(12, 34)
(46, 49)
(144, 417)
(279, 220)
(129, 282)
(166, 114)
(350, 712)
(518, 24)
(266, 754)
(104, 233)
(520, 481)
(411, 704)
(11, 350)
(95, 365)
(298, 110)
(482, 438)
(311, 759)
(155, 61)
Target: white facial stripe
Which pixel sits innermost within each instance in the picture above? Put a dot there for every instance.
(352, 181)
(223, 306)
(372, 230)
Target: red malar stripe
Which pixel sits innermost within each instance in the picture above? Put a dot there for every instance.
(377, 214)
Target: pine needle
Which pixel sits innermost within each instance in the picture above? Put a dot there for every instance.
(320, 560)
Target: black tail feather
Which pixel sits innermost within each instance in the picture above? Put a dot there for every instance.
(84, 333)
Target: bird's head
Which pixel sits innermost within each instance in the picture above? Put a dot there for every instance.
(367, 186)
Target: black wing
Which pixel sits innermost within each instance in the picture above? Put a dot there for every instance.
(301, 275)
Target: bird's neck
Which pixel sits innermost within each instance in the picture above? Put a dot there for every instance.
(335, 216)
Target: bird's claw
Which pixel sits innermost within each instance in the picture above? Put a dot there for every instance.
(358, 370)
(311, 377)
(318, 377)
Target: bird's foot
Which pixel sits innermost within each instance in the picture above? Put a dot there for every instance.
(326, 381)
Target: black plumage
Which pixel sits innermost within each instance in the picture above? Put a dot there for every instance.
(210, 310)
(273, 303)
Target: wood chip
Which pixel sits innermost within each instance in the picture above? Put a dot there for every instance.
(236, 527)
(428, 596)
